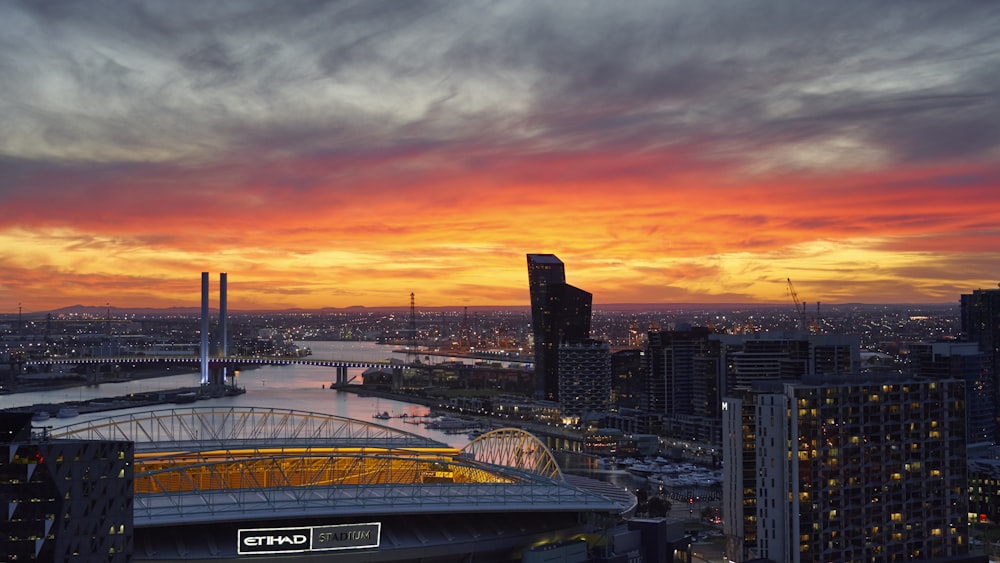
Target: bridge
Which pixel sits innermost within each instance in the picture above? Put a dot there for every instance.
(215, 363)
(214, 368)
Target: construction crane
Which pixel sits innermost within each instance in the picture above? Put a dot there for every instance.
(809, 325)
(800, 310)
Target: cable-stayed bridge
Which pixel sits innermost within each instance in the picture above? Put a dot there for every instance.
(214, 363)
(233, 361)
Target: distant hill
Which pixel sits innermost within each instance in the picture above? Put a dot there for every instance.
(96, 311)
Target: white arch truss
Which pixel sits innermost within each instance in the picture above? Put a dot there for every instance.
(236, 426)
(513, 447)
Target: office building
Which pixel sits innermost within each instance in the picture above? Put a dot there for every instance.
(560, 313)
(847, 471)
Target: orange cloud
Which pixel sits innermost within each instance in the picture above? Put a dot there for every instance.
(628, 230)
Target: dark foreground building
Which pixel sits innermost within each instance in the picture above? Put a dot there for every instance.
(64, 499)
(560, 313)
(980, 316)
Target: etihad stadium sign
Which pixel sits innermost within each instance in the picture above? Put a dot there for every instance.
(260, 541)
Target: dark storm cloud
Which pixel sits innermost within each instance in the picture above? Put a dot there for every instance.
(338, 75)
(702, 74)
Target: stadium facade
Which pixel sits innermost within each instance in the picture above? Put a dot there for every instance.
(232, 484)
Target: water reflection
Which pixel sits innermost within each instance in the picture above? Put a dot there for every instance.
(304, 388)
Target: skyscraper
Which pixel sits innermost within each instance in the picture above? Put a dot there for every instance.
(981, 323)
(559, 313)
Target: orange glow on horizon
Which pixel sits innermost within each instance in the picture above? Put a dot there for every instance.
(704, 234)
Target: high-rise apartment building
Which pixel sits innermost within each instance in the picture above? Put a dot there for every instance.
(847, 471)
(560, 313)
(739, 476)
(584, 378)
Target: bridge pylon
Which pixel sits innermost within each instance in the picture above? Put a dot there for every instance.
(341, 380)
(214, 376)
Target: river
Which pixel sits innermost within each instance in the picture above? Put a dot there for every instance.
(294, 387)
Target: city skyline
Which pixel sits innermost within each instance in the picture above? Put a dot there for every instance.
(340, 154)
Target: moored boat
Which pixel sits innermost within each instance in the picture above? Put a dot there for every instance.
(182, 398)
(643, 469)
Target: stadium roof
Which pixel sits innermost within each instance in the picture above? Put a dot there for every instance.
(205, 464)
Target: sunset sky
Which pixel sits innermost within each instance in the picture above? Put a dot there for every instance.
(334, 154)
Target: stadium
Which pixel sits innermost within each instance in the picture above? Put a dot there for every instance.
(215, 484)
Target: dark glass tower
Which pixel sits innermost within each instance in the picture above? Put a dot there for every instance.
(559, 313)
(980, 316)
